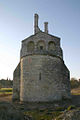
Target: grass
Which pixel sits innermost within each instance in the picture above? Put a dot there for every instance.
(43, 114)
(71, 107)
(5, 91)
(75, 93)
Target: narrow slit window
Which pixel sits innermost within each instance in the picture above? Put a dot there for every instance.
(39, 76)
(41, 47)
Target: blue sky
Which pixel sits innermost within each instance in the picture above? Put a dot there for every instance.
(16, 23)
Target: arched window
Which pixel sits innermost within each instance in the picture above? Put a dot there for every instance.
(30, 46)
(41, 45)
(51, 46)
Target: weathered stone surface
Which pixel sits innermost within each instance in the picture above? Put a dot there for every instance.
(42, 79)
(70, 115)
(46, 38)
(16, 83)
(41, 74)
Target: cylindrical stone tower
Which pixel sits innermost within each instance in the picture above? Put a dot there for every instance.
(42, 79)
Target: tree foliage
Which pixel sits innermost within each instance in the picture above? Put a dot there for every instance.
(6, 83)
(74, 83)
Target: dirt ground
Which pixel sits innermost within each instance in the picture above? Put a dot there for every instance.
(7, 98)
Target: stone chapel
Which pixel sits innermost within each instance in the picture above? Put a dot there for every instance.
(41, 75)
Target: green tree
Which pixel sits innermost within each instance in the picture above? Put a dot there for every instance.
(74, 83)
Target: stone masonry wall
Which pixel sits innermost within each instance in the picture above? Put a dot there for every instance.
(16, 83)
(46, 38)
(43, 78)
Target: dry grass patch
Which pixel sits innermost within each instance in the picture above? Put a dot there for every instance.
(75, 91)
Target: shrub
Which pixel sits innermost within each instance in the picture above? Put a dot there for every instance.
(71, 107)
(74, 83)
